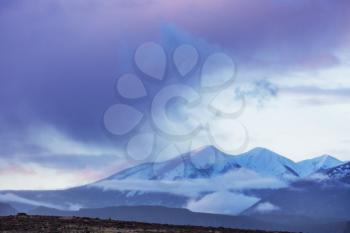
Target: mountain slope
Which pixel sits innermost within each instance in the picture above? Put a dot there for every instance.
(187, 166)
(190, 166)
(341, 172)
(269, 163)
(6, 209)
(307, 198)
(309, 166)
(210, 162)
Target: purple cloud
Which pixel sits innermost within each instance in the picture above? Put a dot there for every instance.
(59, 59)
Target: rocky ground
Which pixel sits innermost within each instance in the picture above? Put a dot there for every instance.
(45, 224)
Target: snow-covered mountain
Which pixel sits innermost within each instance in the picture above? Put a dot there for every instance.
(203, 163)
(210, 162)
(206, 174)
(267, 163)
(309, 166)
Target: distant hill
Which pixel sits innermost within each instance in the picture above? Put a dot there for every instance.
(6, 209)
(178, 216)
(159, 214)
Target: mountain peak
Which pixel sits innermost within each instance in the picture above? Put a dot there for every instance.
(204, 149)
(327, 157)
(260, 150)
(262, 153)
(309, 166)
(204, 162)
(209, 161)
(267, 162)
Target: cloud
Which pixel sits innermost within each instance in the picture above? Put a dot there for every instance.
(222, 203)
(259, 90)
(239, 180)
(59, 61)
(318, 91)
(69, 172)
(68, 81)
(317, 177)
(53, 141)
(10, 197)
(266, 207)
(317, 87)
(40, 154)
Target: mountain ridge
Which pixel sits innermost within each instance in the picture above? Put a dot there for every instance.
(323, 162)
(195, 164)
(340, 172)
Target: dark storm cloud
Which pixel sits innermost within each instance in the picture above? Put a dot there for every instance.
(58, 64)
(59, 59)
(282, 31)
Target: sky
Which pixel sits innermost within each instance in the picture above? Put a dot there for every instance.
(60, 62)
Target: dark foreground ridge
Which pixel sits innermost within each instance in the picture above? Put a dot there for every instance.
(44, 224)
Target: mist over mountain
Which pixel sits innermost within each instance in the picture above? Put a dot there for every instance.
(178, 180)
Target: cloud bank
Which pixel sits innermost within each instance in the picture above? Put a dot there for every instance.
(239, 180)
(222, 203)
